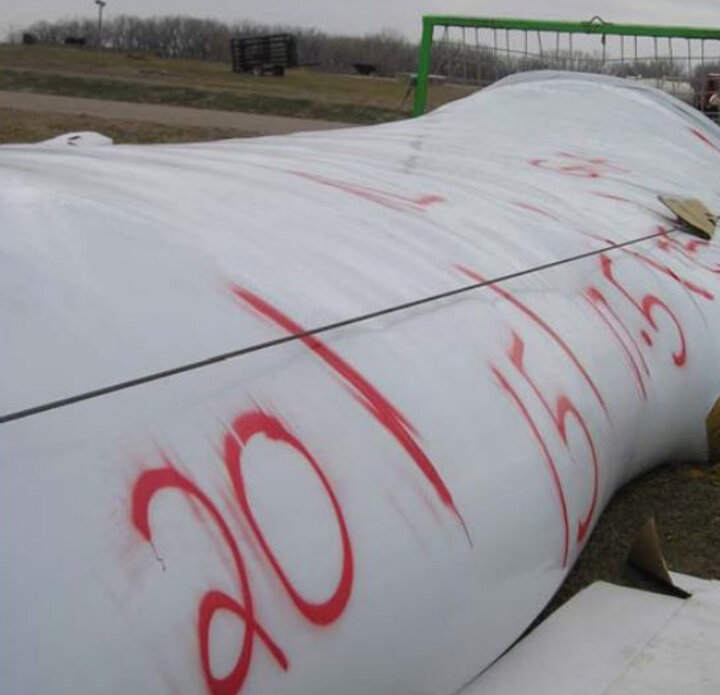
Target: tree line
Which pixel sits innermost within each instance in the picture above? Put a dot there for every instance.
(390, 52)
(209, 39)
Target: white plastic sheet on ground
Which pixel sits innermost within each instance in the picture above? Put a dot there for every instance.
(384, 505)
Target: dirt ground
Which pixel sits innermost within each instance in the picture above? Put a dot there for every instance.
(164, 116)
(684, 499)
(18, 126)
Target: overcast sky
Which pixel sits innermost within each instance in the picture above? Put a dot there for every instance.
(367, 16)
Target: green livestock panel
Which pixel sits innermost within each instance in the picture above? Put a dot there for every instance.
(477, 51)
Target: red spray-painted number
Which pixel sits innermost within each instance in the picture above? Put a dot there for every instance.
(646, 306)
(559, 412)
(665, 242)
(544, 325)
(364, 392)
(624, 338)
(570, 164)
(704, 139)
(146, 487)
(688, 251)
(375, 195)
(153, 481)
(563, 409)
(547, 456)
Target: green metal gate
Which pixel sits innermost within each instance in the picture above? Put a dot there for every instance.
(476, 51)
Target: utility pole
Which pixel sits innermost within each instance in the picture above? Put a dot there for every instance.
(101, 4)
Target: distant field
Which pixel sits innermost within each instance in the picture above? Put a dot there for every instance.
(27, 127)
(145, 78)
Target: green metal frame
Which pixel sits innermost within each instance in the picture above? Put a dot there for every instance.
(594, 26)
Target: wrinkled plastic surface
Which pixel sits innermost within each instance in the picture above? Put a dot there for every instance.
(381, 507)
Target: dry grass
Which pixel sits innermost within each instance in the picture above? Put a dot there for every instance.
(27, 127)
(204, 84)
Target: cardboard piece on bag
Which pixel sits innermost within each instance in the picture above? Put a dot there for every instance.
(693, 213)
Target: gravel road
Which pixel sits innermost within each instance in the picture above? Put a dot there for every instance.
(253, 123)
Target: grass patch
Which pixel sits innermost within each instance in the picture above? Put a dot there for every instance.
(301, 92)
(223, 100)
(28, 127)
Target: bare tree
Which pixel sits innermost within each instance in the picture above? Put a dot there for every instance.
(207, 39)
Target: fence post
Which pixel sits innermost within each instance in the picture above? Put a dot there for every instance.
(421, 80)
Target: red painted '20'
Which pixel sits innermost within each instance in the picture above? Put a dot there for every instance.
(156, 480)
